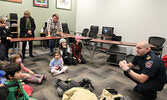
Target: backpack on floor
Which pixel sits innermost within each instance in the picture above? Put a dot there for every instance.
(112, 94)
(63, 86)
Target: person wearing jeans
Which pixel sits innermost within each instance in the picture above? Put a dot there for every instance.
(53, 28)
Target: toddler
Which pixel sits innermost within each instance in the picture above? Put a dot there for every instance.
(56, 64)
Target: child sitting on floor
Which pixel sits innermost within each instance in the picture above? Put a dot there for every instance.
(29, 76)
(13, 75)
(56, 64)
(76, 51)
(65, 52)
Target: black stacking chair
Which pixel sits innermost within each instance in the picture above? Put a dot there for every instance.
(85, 32)
(66, 30)
(44, 43)
(93, 31)
(158, 42)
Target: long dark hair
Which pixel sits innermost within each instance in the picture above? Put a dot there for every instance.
(80, 45)
(61, 47)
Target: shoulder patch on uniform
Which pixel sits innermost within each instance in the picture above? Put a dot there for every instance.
(148, 57)
(148, 64)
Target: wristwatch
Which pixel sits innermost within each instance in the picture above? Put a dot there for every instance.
(128, 70)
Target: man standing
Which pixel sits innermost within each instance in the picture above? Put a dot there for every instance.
(27, 28)
(151, 76)
(54, 28)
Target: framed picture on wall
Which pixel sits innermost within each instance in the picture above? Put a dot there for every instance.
(41, 3)
(18, 1)
(63, 4)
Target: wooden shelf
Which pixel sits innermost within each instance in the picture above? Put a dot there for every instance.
(14, 32)
(12, 20)
(14, 27)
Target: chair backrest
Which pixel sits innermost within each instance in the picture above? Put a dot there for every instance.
(45, 26)
(85, 31)
(93, 31)
(65, 28)
(108, 31)
(116, 38)
(156, 41)
(13, 16)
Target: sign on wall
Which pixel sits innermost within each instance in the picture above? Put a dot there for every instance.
(41, 3)
(63, 4)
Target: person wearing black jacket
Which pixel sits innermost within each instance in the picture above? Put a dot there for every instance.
(151, 75)
(5, 37)
(27, 28)
(65, 52)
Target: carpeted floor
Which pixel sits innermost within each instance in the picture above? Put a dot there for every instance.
(102, 76)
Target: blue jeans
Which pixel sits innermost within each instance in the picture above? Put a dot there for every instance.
(51, 45)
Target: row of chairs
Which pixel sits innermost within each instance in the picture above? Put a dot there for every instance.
(106, 31)
(109, 31)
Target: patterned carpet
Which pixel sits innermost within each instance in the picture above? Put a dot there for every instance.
(102, 76)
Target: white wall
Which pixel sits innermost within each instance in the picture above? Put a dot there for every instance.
(135, 20)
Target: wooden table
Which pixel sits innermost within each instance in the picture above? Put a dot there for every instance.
(110, 42)
(65, 35)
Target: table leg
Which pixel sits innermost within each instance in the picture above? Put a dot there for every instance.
(92, 53)
(13, 46)
(17, 47)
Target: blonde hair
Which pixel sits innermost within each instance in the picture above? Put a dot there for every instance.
(2, 20)
(26, 12)
(13, 58)
(56, 15)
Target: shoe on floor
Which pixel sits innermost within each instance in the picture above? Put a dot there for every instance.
(44, 76)
(23, 57)
(32, 56)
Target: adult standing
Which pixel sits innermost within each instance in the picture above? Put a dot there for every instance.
(54, 28)
(151, 76)
(5, 37)
(27, 28)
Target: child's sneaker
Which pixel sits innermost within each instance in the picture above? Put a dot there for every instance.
(44, 76)
(40, 80)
